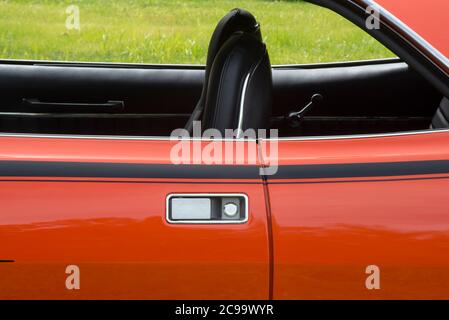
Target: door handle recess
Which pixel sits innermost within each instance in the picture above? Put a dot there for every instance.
(207, 208)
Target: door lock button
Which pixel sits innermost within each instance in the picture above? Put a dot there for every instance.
(230, 209)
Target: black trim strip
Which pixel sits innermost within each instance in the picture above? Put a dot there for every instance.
(170, 171)
(125, 170)
(6, 261)
(130, 181)
(225, 182)
(358, 180)
(356, 170)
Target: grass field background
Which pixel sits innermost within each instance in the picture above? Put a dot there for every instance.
(174, 31)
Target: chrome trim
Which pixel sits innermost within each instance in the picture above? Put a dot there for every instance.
(242, 104)
(331, 64)
(112, 137)
(202, 195)
(201, 67)
(362, 136)
(155, 138)
(77, 63)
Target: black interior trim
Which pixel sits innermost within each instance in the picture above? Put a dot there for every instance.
(159, 100)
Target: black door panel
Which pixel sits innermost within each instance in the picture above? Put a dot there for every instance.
(363, 90)
(157, 99)
(357, 99)
(142, 90)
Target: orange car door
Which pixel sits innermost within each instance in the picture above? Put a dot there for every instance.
(361, 217)
(84, 218)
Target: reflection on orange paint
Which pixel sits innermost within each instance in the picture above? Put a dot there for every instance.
(115, 231)
(327, 231)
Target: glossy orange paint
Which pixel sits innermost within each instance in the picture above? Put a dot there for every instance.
(327, 231)
(428, 19)
(115, 230)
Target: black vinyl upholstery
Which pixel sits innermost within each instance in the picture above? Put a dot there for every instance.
(441, 118)
(237, 20)
(239, 92)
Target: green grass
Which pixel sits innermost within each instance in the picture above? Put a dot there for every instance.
(174, 31)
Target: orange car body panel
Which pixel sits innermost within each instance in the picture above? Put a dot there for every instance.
(327, 230)
(426, 18)
(115, 231)
(349, 203)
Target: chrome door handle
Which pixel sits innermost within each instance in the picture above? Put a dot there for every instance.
(207, 208)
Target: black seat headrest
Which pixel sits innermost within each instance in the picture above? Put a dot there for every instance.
(240, 86)
(237, 20)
